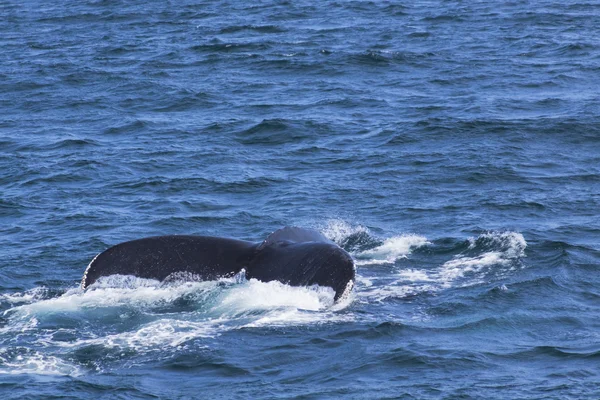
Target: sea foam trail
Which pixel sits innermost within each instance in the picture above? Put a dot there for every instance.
(488, 255)
(230, 296)
(148, 316)
(387, 251)
(391, 250)
(503, 249)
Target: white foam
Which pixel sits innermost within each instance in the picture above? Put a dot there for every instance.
(510, 245)
(503, 249)
(256, 295)
(490, 258)
(392, 249)
(249, 304)
(158, 334)
(459, 267)
(223, 305)
(286, 305)
(396, 289)
(414, 275)
(377, 289)
(290, 317)
(133, 292)
(37, 363)
(28, 296)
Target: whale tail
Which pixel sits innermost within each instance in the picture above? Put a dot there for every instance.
(295, 256)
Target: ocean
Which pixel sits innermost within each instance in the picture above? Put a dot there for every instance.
(451, 147)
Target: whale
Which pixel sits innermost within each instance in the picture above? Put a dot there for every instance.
(291, 255)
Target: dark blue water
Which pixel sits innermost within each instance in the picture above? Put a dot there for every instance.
(452, 147)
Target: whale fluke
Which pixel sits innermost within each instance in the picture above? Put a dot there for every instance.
(291, 255)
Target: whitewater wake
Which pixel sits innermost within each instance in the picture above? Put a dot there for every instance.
(125, 314)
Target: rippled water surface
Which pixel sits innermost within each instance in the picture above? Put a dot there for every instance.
(451, 147)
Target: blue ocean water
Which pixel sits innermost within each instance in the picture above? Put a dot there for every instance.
(452, 147)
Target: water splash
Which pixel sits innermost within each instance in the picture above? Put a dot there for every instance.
(391, 250)
(494, 248)
(340, 231)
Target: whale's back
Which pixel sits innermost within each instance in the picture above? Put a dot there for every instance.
(292, 234)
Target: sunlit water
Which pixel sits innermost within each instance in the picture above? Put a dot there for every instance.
(452, 148)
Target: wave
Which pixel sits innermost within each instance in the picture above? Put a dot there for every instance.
(493, 249)
(73, 144)
(476, 260)
(553, 352)
(255, 28)
(216, 46)
(366, 248)
(384, 58)
(279, 132)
